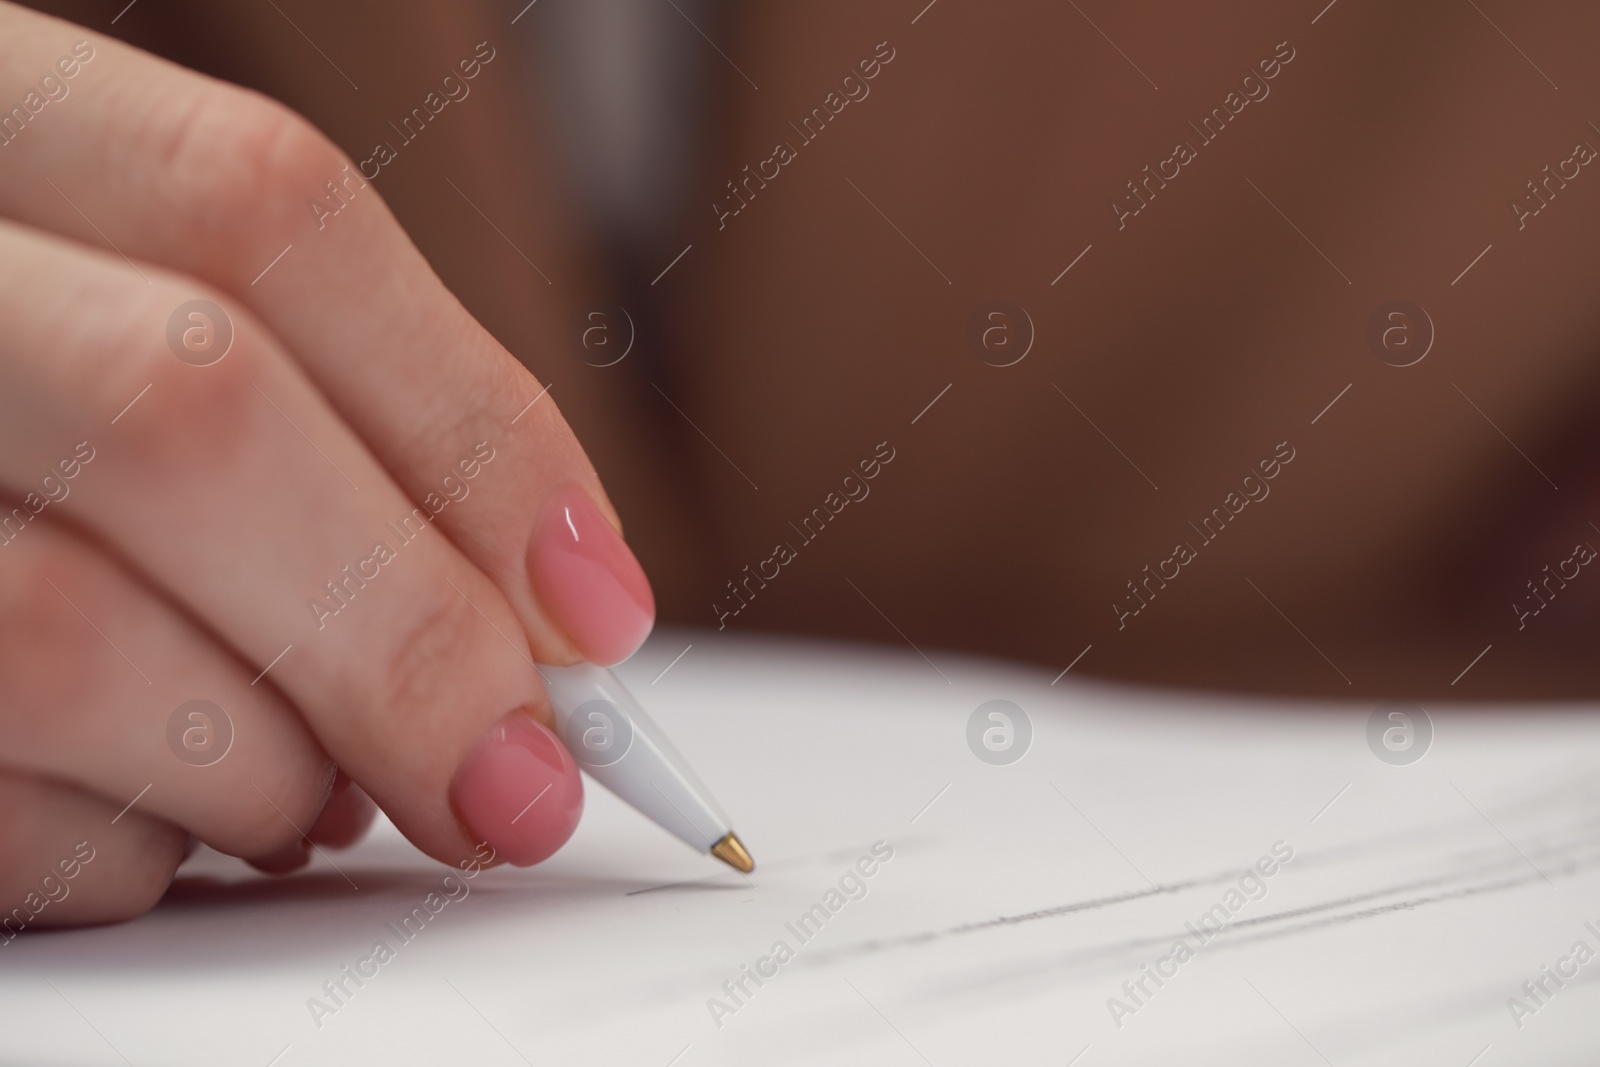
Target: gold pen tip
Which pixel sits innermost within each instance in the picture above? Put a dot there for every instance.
(731, 850)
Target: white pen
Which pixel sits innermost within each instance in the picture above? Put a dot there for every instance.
(611, 737)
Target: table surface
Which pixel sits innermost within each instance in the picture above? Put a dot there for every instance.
(933, 903)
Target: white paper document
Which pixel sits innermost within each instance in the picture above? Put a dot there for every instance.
(1162, 877)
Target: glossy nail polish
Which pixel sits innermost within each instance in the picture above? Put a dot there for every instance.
(587, 579)
(519, 790)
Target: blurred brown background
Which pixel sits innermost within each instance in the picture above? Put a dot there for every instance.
(1177, 353)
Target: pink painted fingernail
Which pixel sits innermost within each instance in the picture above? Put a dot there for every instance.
(587, 579)
(519, 790)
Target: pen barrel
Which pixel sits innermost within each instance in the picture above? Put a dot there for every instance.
(613, 739)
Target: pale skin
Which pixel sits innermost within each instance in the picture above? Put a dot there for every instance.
(1227, 316)
(182, 558)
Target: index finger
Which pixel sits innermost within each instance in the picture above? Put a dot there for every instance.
(220, 183)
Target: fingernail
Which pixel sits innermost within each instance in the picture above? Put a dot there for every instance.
(289, 858)
(346, 816)
(585, 576)
(519, 790)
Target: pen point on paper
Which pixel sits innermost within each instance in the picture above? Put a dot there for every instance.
(730, 850)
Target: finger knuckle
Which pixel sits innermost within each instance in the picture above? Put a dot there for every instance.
(423, 670)
(248, 163)
(193, 414)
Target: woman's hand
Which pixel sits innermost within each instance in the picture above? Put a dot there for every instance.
(253, 454)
